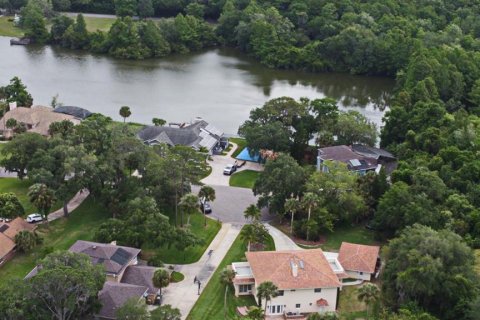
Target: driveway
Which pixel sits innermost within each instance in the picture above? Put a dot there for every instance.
(282, 241)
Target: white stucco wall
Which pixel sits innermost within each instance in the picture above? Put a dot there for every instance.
(307, 298)
(355, 274)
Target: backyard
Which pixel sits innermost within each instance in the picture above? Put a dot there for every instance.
(241, 143)
(244, 179)
(210, 304)
(59, 235)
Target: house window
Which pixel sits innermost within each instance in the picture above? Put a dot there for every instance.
(318, 290)
(243, 288)
(280, 293)
(292, 290)
(361, 273)
(297, 306)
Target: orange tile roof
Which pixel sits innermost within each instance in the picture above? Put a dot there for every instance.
(358, 257)
(275, 266)
(17, 225)
(243, 280)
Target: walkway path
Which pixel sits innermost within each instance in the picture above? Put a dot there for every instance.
(73, 204)
(184, 294)
(282, 241)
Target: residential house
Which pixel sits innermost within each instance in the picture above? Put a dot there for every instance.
(114, 295)
(305, 280)
(76, 112)
(359, 261)
(36, 119)
(359, 158)
(8, 231)
(199, 134)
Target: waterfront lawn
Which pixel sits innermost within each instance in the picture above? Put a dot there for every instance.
(244, 179)
(97, 23)
(241, 143)
(191, 254)
(354, 234)
(20, 188)
(59, 235)
(8, 29)
(210, 304)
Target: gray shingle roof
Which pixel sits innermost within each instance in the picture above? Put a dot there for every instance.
(371, 152)
(114, 258)
(77, 112)
(141, 276)
(113, 295)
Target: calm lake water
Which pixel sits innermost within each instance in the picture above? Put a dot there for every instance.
(221, 85)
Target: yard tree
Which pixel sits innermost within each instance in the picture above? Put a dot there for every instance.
(42, 198)
(67, 286)
(19, 152)
(292, 206)
(266, 290)
(256, 313)
(207, 194)
(310, 201)
(11, 123)
(433, 269)
(125, 8)
(281, 179)
(161, 279)
(226, 278)
(17, 92)
(252, 212)
(248, 234)
(62, 128)
(184, 238)
(10, 206)
(195, 9)
(165, 312)
(189, 205)
(158, 122)
(145, 8)
(125, 113)
(13, 305)
(76, 36)
(26, 240)
(353, 127)
(132, 309)
(368, 293)
(33, 22)
(60, 25)
(158, 46)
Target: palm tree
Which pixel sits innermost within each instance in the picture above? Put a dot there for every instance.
(42, 198)
(256, 313)
(206, 193)
(11, 123)
(125, 112)
(266, 290)
(252, 212)
(26, 240)
(368, 293)
(189, 204)
(248, 234)
(161, 279)
(292, 205)
(310, 201)
(226, 278)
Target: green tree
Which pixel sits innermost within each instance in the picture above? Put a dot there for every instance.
(125, 8)
(256, 313)
(165, 312)
(158, 122)
(42, 198)
(226, 278)
(17, 92)
(206, 194)
(26, 240)
(323, 316)
(33, 22)
(11, 123)
(184, 238)
(368, 293)
(161, 279)
(189, 204)
(62, 128)
(353, 127)
(252, 212)
(145, 8)
(310, 201)
(76, 36)
(195, 9)
(266, 290)
(292, 206)
(10, 206)
(248, 235)
(153, 39)
(125, 113)
(133, 308)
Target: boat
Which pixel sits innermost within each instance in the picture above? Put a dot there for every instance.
(20, 42)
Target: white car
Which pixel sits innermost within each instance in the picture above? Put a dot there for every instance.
(231, 168)
(34, 217)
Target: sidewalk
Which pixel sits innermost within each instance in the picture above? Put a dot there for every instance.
(184, 294)
(72, 205)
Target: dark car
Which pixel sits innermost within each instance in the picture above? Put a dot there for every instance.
(205, 206)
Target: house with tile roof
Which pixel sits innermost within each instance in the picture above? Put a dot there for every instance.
(359, 261)
(8, 231)
(305, 279)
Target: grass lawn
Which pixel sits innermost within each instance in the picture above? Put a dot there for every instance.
(7, 28)
(60, 235)
(354, 234)
(2, 145)
(242, 143)
(95, 23)
(210, 304)
(192, 254)
(244, 179)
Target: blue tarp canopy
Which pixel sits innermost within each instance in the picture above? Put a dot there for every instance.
(245, 156)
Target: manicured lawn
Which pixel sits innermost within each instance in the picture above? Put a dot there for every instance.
(210, 304)
(2, 145)
(192, 254)
(176, 276)
(244, 179)
(60, 235)
(7, 28)
(102, 24)
(354, 234)
(242, 143)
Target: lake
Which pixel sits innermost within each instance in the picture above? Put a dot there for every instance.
(220, 85)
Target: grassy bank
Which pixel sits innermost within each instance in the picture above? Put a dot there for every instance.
(96, 23)
(354, 234)
(210, 304)
(60, 235)
(241, 143)
(244, 179)
(8, 29)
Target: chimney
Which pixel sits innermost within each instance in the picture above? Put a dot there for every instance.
(94, 247)
(114, 243)
(294, 268)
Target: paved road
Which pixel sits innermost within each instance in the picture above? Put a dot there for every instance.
(183, 295)
(98, 15)
(73, 204)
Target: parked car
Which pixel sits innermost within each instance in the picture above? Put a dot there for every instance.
(231, 168)
(34, 217)
(204, 205)
(5, 219)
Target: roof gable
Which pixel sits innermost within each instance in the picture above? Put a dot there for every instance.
(358, 257)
